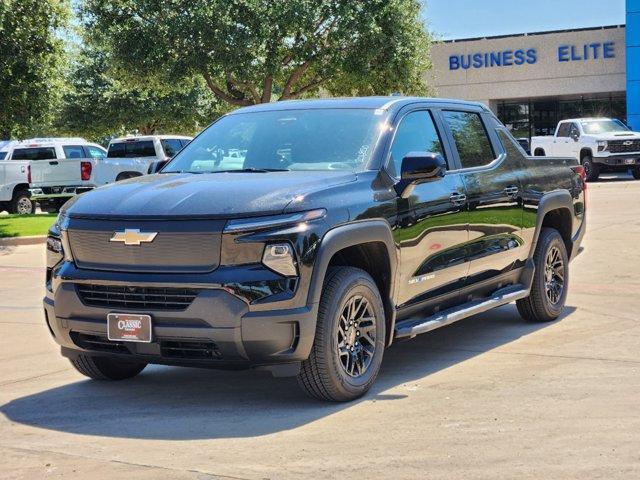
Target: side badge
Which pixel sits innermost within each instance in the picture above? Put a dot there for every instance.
(422, 278)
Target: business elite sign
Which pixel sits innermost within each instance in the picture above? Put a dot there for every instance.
(510, 58)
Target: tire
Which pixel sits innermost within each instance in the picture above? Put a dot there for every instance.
(21, 203)
(540, 306)
(104, 368)
(636, 172)
(325, 375)
(591, 170)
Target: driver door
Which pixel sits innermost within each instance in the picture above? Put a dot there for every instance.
(433, 222)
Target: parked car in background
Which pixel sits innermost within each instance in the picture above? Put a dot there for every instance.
(305, 237)
(82, 167)
(599, 144)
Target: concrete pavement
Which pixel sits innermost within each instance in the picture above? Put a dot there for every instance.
(489, 397)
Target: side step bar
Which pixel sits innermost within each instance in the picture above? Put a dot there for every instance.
(416, 326)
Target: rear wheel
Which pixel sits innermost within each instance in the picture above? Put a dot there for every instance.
(350, 338)
(21, 203)
(550, 281)
(103, 368)
(591, 170)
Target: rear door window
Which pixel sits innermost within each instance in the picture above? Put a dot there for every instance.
(73, 151)
(34, 153)
(564, 129)
(471, 138)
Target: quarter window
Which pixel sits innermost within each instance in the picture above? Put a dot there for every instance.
(470, 136)
(416, 133)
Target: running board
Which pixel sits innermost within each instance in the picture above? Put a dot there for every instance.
(416, 326)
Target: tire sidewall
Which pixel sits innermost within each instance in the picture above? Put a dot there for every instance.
(592, 170)
(356, 284)
(551, 239)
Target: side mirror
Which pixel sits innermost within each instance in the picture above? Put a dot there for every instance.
(419, 167)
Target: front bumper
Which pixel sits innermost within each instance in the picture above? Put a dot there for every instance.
(44, 193)
(621, 160)
(218, 329)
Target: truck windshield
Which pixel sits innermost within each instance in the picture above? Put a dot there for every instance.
(315, 139)
(593, 127)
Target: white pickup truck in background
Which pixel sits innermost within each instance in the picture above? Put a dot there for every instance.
(82, 167)
(600, 144)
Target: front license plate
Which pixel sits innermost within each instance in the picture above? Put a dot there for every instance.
(630, 161)
(126, 327)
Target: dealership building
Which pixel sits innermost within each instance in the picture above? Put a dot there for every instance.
(531, 81)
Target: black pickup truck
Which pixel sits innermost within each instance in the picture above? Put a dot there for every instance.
(305, 237)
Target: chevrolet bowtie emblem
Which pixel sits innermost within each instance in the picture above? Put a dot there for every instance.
(133, 236)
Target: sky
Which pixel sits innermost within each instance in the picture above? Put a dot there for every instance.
(452, 19)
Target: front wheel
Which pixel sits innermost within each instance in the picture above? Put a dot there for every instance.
(350, 338)
(591, 170)
(550, 280)
(103, 368)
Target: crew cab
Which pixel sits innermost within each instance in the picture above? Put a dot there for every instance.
(600, 144)
(304, 237)
(80, 167)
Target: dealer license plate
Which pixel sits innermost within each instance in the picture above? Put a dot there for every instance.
(126, 327)
(630, 161)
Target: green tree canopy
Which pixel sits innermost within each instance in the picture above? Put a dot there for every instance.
(252, 51)
(99, 102)
(31, 63)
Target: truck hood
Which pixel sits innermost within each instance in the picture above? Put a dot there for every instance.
(222, 195)
(615, 136)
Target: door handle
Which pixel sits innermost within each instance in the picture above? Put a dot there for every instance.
(511, 190)
(53, 163)
(458, 198)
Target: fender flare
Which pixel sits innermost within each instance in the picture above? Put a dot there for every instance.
(349, 235)
(555, 200)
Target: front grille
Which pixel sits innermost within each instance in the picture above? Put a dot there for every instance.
(98, 343)
(618, 146)
(146, 298)
(190, 350)
(187, 246)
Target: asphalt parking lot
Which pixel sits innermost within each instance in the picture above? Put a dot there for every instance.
(489, 397)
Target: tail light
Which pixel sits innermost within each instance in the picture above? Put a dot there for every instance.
(28, 173)
(85, 170)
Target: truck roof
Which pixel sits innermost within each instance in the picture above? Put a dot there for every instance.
(584, 119)
(382, 103)
(135, 138)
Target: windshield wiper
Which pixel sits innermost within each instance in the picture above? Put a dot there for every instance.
(252, 170)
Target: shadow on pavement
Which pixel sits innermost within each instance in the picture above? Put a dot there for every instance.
(179, 404)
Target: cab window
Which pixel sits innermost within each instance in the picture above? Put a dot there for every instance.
(171, 146)
(36, 153)
(470, 137)
(563, 129)
(416, 133)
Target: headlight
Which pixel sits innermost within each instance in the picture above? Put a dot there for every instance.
(602, 145)
(280, 258)
(54, 245)
(273, 221)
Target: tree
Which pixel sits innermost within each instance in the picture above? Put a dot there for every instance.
(253, 51)
(101, 103)
(31, 63)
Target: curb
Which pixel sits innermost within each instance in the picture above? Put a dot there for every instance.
(34, 240)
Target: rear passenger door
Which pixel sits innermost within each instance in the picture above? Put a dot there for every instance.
(432, 229)
(494, 197)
